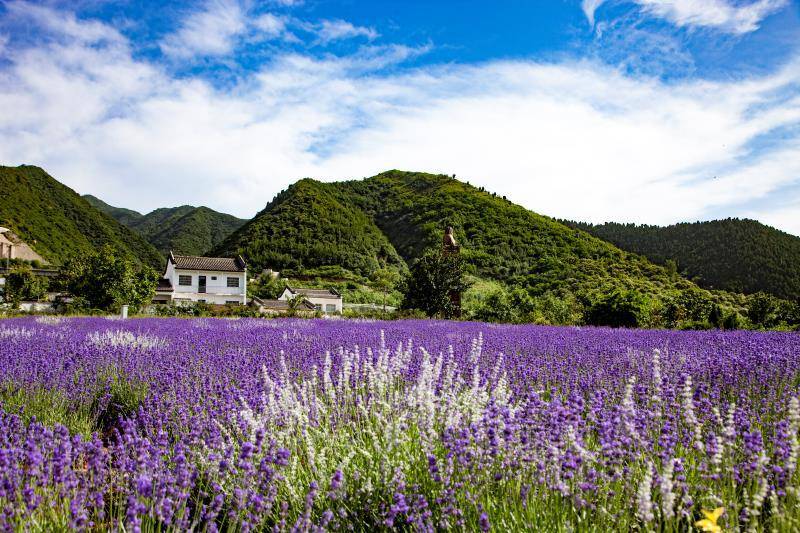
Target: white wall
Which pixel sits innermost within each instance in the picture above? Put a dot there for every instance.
(217, 290)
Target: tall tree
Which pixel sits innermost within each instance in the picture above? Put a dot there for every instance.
(433, 278)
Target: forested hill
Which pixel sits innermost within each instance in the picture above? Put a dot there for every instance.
(58, 223)
(394, 217)
(312, 224)
(185, 230)
(731, 254)
(120, 214)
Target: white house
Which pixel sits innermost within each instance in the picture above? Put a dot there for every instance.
(213, 280)
(325, 300)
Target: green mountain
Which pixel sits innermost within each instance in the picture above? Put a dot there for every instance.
(731, 254)
(394, 217)
(120, 214)
(185, 230)
(58, 223)
(309, 225)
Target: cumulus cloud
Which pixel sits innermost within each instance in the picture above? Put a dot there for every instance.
(571, 139)
(722, 15)
(211, 31)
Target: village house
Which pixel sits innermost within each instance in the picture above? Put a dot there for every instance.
(282, 307)
(212, 280)
(325, 300)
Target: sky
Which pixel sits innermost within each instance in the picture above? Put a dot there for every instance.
(645, 111)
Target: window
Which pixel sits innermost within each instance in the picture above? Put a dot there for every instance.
(330, 308)
(201, 301)
(233, 282)
(213, 278)
(232, 302)
(318, 307)
(185, 280)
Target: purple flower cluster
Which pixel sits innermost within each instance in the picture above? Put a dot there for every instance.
(315, 424)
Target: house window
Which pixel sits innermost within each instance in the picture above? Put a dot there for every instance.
(185, 280)
(213, 278)
(233, 282)
(232, 302)
(318, 307)
(201, 301)
(330, 308)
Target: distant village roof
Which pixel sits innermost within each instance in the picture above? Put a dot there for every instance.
(221, 264)
(164, 285)
(278, 305)
(315, 293)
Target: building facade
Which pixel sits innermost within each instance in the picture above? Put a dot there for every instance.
(194, 279)
(325, 300)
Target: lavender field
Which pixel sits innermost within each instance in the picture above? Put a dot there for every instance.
(216, 425)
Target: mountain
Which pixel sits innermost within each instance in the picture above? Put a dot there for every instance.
(120, 214)
(309, 225)
(185, 230)
(731, 254)
(58, 223)
(394, 217)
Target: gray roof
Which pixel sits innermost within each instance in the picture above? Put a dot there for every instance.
(219, 264)
(278, 305)
(315, 293)
(164, 285)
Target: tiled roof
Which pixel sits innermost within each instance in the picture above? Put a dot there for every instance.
(220, 264)
(278, 305)
(315, 293)
(164, 285)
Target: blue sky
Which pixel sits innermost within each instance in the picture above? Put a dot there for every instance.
(649, 111)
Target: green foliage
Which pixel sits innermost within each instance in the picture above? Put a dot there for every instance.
(762, 310)
(432, 279)
(186, 230)
(124, 216)
(619, 308)
(104, 280)
(59, 224)
(266, 287)
(385, 280)
(731, 254)
(22, 284)
(307, 226)
(689, 305)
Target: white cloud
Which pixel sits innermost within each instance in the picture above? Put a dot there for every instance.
(269, 26)
(336, 30)
(572, 139)
(211, 31)
(719, 14)
(589, 7)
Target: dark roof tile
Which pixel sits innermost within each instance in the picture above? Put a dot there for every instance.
(220, 264)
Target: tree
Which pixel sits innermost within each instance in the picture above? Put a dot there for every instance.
(761, 309)
(266, 286)
(385, 280)
(433, 278)
(23, 284)
(618, 308)
(106, 281)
